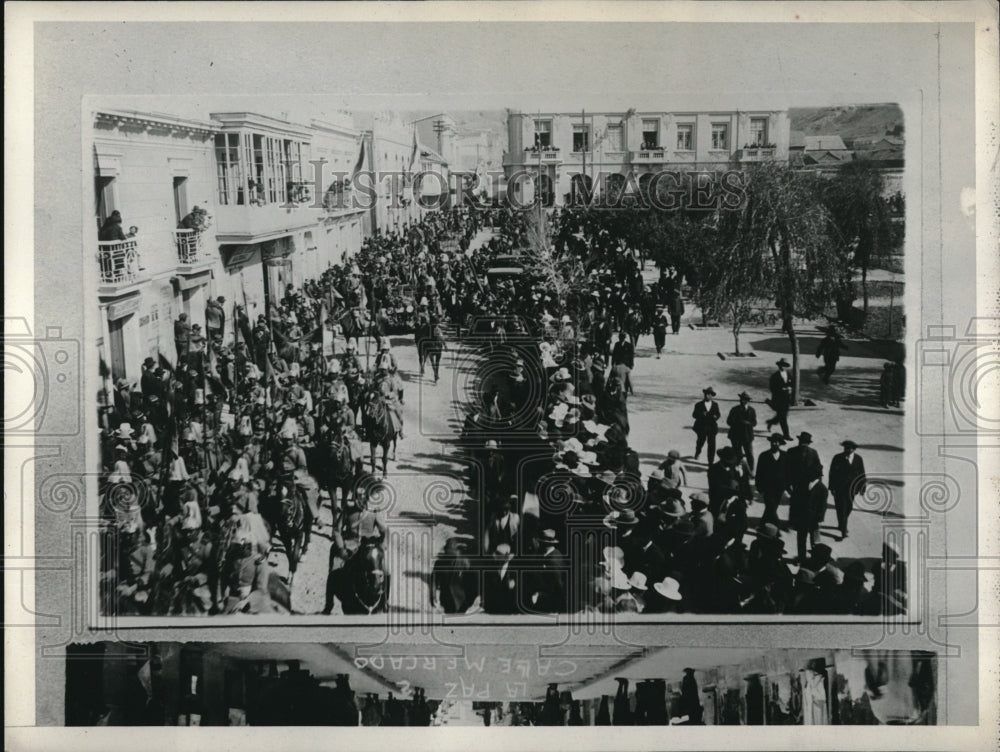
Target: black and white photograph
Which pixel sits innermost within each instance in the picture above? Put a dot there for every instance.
(499, 362)
(477, 366)
(262, 684)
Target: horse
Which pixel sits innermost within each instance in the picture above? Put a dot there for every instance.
(362, 582)
(380, 428)
(430, 345)
(341, 469)
(289, 515)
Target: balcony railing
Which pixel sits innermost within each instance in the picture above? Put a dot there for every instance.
(119, 262)
(758, 153)
(189, 247)
(649, 155)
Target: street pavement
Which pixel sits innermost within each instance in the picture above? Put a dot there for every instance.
(428, 500)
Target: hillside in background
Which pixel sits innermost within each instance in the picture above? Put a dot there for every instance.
(865, 122)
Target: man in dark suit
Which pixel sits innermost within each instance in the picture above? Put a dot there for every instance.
(807, 508)
(803, 463)
(772, 480)
(847, 480)
(741, 421)
(780, 385)
(624, 354)
(706, 416)
(500, 583)
(548, 592)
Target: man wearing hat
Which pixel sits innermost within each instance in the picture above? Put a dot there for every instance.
(660, 325)
(847, 480)
(829, 349)
(623, 355)
(386, 360)
(803, 463)
(547, 593)
(149, 383)
(706, 416)
(806, 510)
(182, 336)
(215, 318)
(780, 385)
(742, 419)
(772, 477)
(770, 580)
(504, 527)
(702, 523)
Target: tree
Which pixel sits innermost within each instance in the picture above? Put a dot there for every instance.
(861, 216)
(732, 286)
(561, 271)
(783, 226)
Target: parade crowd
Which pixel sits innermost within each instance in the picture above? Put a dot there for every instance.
(217, 457)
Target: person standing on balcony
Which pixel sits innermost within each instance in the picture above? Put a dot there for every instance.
(215, 319)
(111, 230)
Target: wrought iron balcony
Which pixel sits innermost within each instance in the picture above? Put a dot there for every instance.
(119, 262)
(189, 247)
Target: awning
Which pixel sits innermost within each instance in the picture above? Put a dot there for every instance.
(497, 271)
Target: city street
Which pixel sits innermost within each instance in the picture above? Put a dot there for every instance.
(429, 502)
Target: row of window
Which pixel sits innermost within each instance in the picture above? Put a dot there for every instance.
(613, 138)
(256, 169)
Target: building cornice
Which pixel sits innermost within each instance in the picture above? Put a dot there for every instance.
(155, 120)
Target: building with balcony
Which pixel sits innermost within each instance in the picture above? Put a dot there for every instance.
(250, 180)
(563, 148)
(153, 169)
(390, 156)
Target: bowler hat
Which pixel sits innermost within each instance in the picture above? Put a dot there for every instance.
(776, 438)
(783, 363)
(744, 396)
(821, 554)
(709, 391)
(848, 444)
(805, 437)
(548, 536)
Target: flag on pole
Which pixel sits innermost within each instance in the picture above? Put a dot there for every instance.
(359, 163)
(415, 155)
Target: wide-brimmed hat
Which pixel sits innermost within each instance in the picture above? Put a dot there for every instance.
(548, 536)
(848, 444)
(606, 477)
(638, 581)
(149, 362)
(560, 376)
(625, 518)
(593, 427)
(566, 319)
(492, 444)
(699, 501)
(776, 438)
(744, 396)
(783, 363)
(769, 532)
(613, 556)
(805, 437)
(709, 391)
(669, 588)
(657, 474)
(125, 431)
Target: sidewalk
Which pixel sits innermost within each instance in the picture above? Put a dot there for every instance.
(667, 389)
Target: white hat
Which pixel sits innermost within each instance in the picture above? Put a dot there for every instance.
(669, 589)
(613, 553)
(619, 580)
(125, 430)
(566, 319)
(638, 581)
(561, 375)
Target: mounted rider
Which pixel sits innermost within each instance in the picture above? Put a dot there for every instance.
(362, 526)
(387, 387)
(292, 461)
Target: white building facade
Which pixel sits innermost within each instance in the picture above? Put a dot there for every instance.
(252, 175)
(561, 147)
